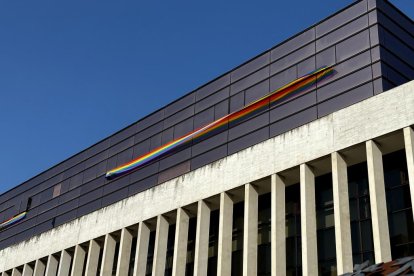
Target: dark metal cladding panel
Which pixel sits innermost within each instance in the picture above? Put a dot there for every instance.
(237, 102)
(167, 136)
(62, 219)
(293, 44)
(89, 208)
(148, 132)
(391, 12)
(249, 80)
(91, 196)
(142, 185)
(174, 172)
(144, 172)
(122, 158)
(346, 83)
(249, 126)
(293, 106)
(114, 197)
(356, 95)
(209, 157)
(123, 134)
(257, 91)
(209, 143)
(156, 140)
(175, 159)
(326, 57)
(341, 18)
(282, 78)
(141, 148)
(221, 109)
(395, 29)
(213, 87)
(179, 105)
(306, 66)
(179, 116)
(248, 140)
(398, 48)
(292, 59)
(212, 100)
(66, 207)
(183, 128)
(250, 67)
(204, 117)
(116, 184)
(352, 46)
(293, 121)
(343, 32)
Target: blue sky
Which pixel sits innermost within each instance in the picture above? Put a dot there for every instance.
(74, 72)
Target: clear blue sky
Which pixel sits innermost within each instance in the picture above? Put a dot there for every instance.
(74, 72)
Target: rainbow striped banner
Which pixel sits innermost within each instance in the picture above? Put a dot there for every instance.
(13, 220)
(275, 98)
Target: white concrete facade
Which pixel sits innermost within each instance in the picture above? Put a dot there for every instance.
(340, 130)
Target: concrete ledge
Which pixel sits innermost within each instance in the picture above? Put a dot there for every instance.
(358, 123)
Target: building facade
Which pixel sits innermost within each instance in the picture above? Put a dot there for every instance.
(311, 183)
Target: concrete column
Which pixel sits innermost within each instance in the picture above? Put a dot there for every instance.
(64, 264)
(27, 270)
(225, 235)
(78, 260)
(93, 258)
(409, 152)
(6, 274)
(108, 255)
(251, 214)
(124, 253)
(308, 221)
(141, 253)
(278, 226)
(160, 249)
(341, 214)
(16, 272)
(180, 243)
(202, 239)
(39, 269)
(378, 203)
(52, 266)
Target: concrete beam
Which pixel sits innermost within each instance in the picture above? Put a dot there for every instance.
(93, 258)
(160, 249)
(141, 253)
(308, 221)
(52, 266)
(27, 270)
(225, 235)
(78, 260)
(278, 226)
(409, 153)
(341, 214)
(124, 253)
(108, 255)
(251, 220)
(202, 239)
(39, 269)
(180, 243)
(64, 263)
(379, 215)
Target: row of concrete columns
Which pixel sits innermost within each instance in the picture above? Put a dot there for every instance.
(59, 264)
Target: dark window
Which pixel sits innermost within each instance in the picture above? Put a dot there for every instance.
(293, 240)
(264, 238)
(237, 254)
(213, 243)
(325, 225)
(192, 230)
(400, 216)
(170, 250)
(360, 212)
(150, 257)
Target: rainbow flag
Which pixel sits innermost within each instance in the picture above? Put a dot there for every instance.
(13, 220)
(275, 98)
